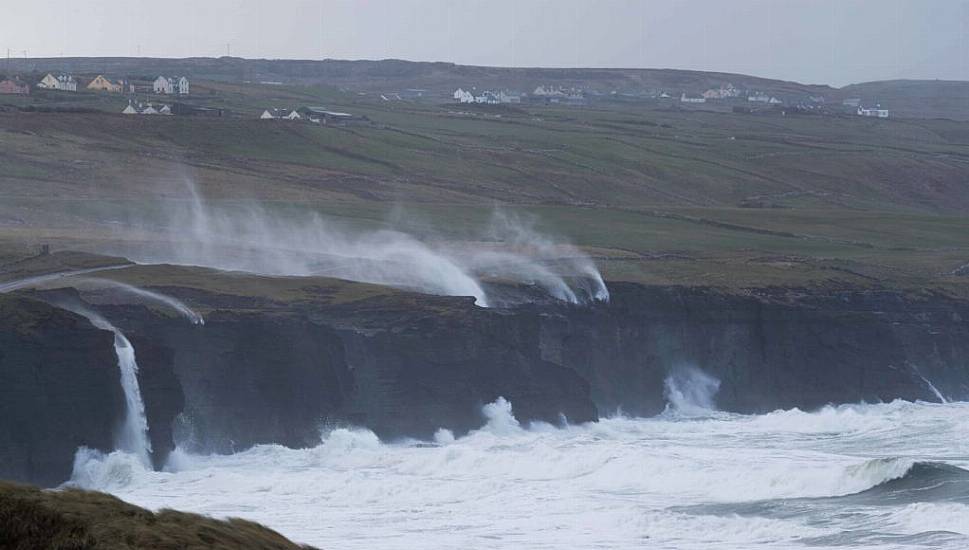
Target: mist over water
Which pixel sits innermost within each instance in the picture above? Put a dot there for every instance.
(854, 476)
(249, 237)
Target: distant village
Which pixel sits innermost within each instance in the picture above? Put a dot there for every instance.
(740, 99)
(727, 95)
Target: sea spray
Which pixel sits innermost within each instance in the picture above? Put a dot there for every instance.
(500, 418)
(690, 391)
(930, 385)
(248, 237)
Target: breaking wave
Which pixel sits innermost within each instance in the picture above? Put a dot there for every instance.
(727, 480)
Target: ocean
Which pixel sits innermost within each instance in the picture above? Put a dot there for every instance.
(891, 475)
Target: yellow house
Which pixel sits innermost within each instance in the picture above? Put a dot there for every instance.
(101, 84)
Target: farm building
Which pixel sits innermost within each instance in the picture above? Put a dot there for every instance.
(877, 112)
(184, 109)
(14, 86)
(280, 114)
(327, 117)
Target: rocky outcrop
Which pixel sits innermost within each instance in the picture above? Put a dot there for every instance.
(74, 519)
(59, 390)
(773, 348)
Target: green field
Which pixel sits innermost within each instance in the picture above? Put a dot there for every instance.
(654, 194)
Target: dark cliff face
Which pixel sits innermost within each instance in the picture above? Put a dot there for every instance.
(437, 372)
(774, 349)
(282, 376)
(59, 390)
(405, 365)
(251, 378)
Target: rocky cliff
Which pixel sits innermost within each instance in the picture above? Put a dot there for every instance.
(279, 361)
(770, 348)
(59, 390)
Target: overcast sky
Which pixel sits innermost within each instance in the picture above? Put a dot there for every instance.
(815, 41)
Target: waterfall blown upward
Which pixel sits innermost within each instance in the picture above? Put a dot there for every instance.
(133, 436)
(164, 299)
(303, 243)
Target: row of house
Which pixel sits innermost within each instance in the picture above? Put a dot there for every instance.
(100, 83)
(171, 85)
(316, 115)
(551, 94)
(148, 109)
(487, 97)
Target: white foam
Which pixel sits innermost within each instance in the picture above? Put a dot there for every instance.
(922, 517)
(610, 484)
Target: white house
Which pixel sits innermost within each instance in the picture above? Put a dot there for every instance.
(169, 86)
(488, 98)
(149, 110)
(63, 82)
(266, 115)
(506, 97)
(462, 96)
(293, 115)
(165, 110)
(163, 85)
(129, 110)
(877, 112)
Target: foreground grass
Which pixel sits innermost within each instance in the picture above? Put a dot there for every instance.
(72, 519)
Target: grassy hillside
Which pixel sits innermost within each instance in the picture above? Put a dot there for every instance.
(392, 74)
(656, 194)
(75, 520)
(915, 98)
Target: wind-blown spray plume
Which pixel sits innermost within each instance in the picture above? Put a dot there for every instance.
(249, 238)
(177, 305)
(534, 258)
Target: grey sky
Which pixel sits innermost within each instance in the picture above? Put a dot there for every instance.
(816, 41)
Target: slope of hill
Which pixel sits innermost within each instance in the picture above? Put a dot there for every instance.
(656, 194)
(915, 98)
(391, 74)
